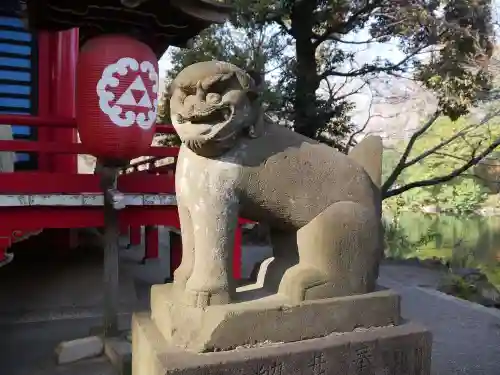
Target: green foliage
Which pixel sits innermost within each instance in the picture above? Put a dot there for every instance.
(308, 52)
(463, 140)
(461, 196)
(458, 287)
(451, 238)
(390, 159)
(401, 244)
(460, 242)
(488, 173)
(449, 73)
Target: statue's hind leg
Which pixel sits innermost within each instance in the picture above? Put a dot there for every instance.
(339, 253)
(285, 254)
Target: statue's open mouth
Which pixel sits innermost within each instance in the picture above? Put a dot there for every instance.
(208, 127)
(211, 117)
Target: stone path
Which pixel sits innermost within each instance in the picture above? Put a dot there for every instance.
(466, 335)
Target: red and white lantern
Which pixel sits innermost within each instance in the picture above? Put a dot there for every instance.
(116, 96)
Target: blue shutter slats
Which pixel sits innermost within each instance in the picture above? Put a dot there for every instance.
(12, 62)
(15, 35)
(12, 22)
(18, 71)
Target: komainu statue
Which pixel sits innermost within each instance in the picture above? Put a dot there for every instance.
(323, 207)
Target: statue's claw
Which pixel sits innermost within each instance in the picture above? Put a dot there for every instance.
(202, 299)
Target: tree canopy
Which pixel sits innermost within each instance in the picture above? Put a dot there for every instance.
(319, 56)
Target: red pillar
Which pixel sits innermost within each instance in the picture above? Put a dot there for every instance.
(44, 94)
(237, 253)
(65, 45)
(63, 54)
(124, 229)
(151, 242)
(135, 236)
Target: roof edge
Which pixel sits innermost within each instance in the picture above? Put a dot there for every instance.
(206, 10)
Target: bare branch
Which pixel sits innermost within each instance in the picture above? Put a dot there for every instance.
(440, 145)
(402, 161)
(370, 68)
(350, 141)
(357, 42)
(439, 180)
(459, 134)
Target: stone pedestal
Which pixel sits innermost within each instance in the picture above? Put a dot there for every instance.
(265, 335)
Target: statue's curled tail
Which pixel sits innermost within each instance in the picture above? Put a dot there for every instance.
(368, 154)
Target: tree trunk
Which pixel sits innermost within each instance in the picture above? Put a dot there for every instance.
(307, 82)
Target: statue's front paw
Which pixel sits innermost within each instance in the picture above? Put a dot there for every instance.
(200, 292)
(204, 298)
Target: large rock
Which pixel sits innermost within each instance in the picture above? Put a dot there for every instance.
(75, 350)
(471, 284)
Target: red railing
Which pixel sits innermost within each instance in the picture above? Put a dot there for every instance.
(59, 122)
(50, 181)
(52, 147)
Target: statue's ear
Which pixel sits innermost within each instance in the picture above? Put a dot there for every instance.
(257, 128)
(255, 90)
(254, 94)
(257, 77)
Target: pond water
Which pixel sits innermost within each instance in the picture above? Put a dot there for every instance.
(468, 241)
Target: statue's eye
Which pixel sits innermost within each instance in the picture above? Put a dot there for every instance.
(178, 96)
(180, 119)
(213, 98)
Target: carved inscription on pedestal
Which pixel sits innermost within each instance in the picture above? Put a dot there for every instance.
(419, 361)
(274, 368)
(403, 362)
(396, 362)
(363, 360)
(318, 364)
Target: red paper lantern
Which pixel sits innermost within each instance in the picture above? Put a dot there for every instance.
(116, 96)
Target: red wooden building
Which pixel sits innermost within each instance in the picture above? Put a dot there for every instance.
(43, 190)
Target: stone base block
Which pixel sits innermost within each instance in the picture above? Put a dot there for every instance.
(393, 350)
(119, 352)
(75, 350)
(255, 318)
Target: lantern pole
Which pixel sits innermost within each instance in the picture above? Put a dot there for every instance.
(112, 200)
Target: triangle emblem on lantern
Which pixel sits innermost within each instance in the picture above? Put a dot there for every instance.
(128, 97)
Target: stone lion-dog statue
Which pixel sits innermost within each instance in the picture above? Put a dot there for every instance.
(323, 207)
